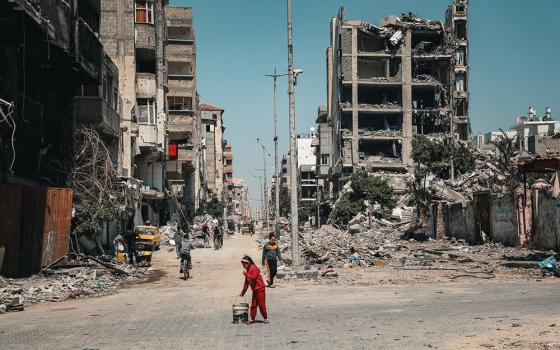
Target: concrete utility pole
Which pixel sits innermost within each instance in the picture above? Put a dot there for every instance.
(276, 158)
(265, 205)
(293, 145)
(261, 187)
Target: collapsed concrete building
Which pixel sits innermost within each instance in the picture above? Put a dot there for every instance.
(183, 114)
(387, 84)
(213, 144)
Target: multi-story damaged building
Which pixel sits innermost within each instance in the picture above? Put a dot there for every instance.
(183, 114)
(387, 83)
(212, 135)
(228, 173)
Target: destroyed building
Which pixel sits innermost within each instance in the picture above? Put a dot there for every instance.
(212, 131)
(54, 76)
(183, 114)
(387, 83)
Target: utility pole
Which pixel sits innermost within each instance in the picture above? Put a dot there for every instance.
(293, 145)
(265, 205)
(261, 187)
(275, 76)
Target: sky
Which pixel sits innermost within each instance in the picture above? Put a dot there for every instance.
(514, 63)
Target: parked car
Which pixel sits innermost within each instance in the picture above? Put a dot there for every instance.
(148, 236)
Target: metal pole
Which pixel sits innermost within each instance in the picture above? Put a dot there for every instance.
(276, 165)
(275, 76)
(265, 187)
(293, 145)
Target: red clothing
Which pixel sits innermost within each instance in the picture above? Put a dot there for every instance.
(259, 299)
(254, 279)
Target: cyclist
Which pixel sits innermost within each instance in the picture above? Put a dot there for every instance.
(185, 250)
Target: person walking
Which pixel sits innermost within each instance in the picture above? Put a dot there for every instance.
(270, 258)
(254, 279)
(206, 234)
(218, 239)
(130, 238)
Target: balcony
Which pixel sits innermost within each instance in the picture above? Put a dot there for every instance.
(228, 169)
(145, 37)
(97, 112)
(88, 51)
(147, 137)
(145, 85)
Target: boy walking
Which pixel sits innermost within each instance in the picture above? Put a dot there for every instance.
(270, 258)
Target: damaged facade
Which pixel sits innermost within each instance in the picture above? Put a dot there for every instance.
(386, 84)
(183, 114)
(54, 77)
(213, 160)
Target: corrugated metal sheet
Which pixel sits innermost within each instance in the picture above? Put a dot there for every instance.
(56, 227)
(10, 219)
(34, 227)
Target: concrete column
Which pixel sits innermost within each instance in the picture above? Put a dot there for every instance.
(355, 158)
(407, 99)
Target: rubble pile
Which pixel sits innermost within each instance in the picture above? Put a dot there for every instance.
(56, 284)
(486, 176)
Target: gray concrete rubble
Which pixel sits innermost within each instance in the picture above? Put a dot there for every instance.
(68, 282)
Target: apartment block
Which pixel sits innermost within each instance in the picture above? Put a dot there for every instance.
(387, 83)
(133, 33)
(212, 133)
(239, 205)
(228, 173)
(183, 122)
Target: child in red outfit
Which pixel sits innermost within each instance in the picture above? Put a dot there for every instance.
(254, 279)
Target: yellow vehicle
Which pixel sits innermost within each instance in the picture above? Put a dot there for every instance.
(149, 238)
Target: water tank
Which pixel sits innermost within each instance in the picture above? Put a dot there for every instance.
(531, 114)
(548, 113)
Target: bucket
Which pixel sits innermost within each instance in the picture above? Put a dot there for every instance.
(240, 312)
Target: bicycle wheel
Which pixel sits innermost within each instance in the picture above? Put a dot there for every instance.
(185, 269)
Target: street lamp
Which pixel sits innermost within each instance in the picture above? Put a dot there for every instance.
(275, 76)
(265, 204)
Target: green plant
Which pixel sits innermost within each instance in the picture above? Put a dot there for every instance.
(345, 209)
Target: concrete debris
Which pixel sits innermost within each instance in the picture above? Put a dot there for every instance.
(75, 280)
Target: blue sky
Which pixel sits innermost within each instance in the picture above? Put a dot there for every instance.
(514, 60)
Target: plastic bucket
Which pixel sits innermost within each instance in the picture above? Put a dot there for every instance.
(240, 312)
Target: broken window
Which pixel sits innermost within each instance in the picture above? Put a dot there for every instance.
(461, 108)
(461, 29)
(426, 42)
(460, 56)
(179, 103)
(368, 122)
(89, 14)
(144, 12)
(460, 83)
(371, 68)
(369, 42)
(88, 90)
(324, 159)
(179, 34)
(379, 151)
(346, 121)
(146, 111)
(210, 128)
(428, 97)
(179, 69)
(145, 61)
(379, 96)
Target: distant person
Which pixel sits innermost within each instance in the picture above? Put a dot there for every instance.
(239, 227)
(252, 228)
(218, 237)
(206, 234)
(254, 279)
(130, 238)
(270, 258)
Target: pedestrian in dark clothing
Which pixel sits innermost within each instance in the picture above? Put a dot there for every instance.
(130, 238)
(218, 237)
(252, 228)
(206, 234)
(270, 258)
(254, 279)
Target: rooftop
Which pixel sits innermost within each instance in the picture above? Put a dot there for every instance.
(207, 107)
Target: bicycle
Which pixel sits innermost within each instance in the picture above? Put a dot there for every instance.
(186, 266)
